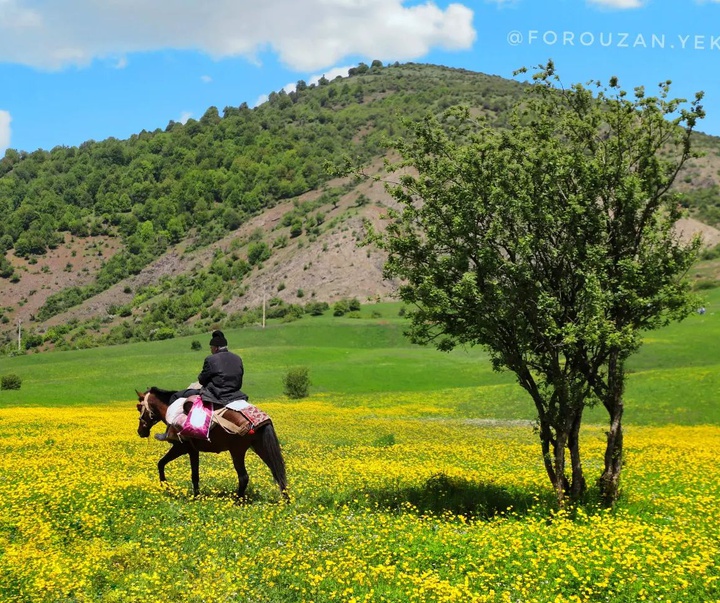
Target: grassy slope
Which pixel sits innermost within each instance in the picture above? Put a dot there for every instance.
(674, 378)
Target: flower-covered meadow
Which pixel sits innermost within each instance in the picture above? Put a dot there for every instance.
(390, 502)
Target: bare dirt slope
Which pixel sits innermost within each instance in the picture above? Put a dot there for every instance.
(689, 227)
(330, 267)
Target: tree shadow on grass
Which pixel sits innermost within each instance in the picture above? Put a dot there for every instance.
(441, 494)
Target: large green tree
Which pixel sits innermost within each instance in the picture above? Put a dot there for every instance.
(551, 243)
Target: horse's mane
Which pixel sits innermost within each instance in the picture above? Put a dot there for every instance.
(162, 394)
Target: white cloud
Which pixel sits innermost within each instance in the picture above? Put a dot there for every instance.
(621, 4)
(5, 120)
(206, 79)
(185, 115)
(306, 35)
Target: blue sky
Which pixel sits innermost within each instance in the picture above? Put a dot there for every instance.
(75, 70)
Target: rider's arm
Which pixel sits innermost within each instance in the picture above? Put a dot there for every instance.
(207, 372)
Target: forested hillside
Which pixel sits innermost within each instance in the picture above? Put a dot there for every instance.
(192, 226)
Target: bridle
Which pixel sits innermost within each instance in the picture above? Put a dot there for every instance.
(148, 417)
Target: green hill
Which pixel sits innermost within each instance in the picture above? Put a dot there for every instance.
(174, 231)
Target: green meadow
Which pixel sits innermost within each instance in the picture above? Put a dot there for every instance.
(673, 379)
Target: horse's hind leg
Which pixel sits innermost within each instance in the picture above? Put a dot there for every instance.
(238, 457)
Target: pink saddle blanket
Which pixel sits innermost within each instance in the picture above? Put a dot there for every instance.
(198, 421)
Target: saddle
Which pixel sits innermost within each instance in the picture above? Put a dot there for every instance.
(241, 422)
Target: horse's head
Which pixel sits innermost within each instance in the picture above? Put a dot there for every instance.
(149, 415)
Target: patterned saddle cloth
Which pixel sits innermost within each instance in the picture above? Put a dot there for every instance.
(242, 420)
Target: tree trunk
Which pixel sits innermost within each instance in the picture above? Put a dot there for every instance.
(578, 486)
(554, 463)
(561, 483)
(610, 480)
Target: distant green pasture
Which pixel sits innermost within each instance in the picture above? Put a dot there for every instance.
(673, 379)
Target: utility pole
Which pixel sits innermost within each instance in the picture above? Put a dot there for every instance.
(263, 320)
(19, 335)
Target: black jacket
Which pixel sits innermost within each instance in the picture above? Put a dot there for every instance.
(221, 378)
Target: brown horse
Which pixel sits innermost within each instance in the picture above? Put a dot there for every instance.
(153, 405)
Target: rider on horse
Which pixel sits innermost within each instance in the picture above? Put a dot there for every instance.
(220, 381)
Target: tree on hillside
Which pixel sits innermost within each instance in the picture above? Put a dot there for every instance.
(551, 243)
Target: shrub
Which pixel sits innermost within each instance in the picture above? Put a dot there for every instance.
(10, 381)
(296, 382)
(195, 345)
(258, 252)
(712, 253)
(340, 308)
(163, 333)
(316, 308)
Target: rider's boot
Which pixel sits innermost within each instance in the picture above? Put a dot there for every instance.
(170, 435)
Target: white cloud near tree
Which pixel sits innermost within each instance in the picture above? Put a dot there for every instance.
(5, 120)
(306, 35)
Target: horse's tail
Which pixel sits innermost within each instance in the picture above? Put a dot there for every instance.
(267, 447)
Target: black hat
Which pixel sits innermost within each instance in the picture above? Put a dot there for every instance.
(218, 339)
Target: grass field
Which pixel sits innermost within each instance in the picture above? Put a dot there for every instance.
(414, 476)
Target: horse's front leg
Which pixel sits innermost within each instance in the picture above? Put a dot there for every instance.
(195, 470)
(177, 450)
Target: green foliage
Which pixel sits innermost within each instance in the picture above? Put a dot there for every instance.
(163, 333)
(340, 307)
(345, 305)
(277, 308)
(551, 243)
(296, 382)
(6, 268)
(10, 381)
(258, 252)
(316, 308)
(703, 203)
(710, 254)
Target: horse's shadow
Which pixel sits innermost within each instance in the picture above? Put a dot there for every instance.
(441, 494)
